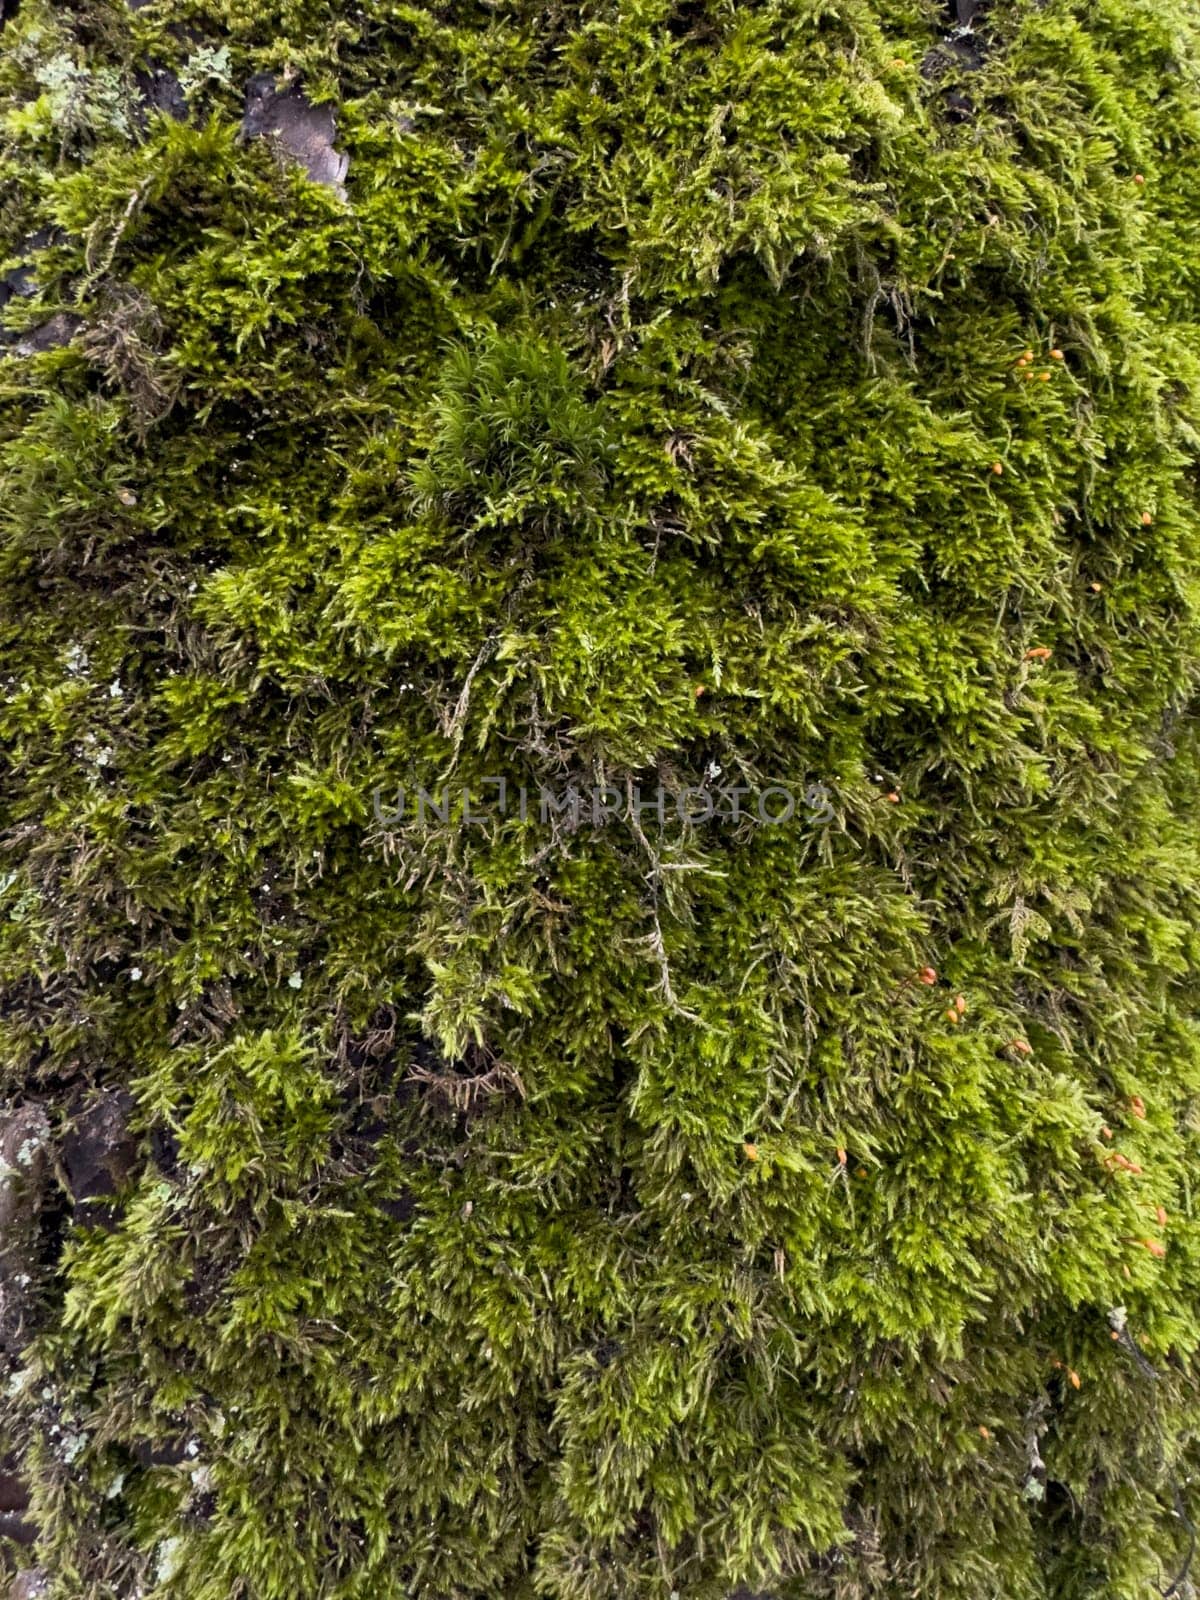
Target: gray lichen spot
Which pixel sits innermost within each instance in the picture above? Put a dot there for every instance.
(30, 1584)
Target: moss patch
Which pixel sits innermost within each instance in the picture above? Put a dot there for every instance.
(672, 392)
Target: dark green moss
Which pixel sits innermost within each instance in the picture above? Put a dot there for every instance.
(605, 1213)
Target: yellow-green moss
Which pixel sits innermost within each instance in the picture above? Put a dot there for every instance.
(607, 1214)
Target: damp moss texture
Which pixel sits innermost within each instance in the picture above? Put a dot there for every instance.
(800, 393)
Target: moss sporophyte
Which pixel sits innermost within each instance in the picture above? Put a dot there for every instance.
(601, 849)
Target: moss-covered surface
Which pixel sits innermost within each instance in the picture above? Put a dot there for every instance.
(509, 1210)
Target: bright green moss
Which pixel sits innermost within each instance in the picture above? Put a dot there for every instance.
(608, 1213)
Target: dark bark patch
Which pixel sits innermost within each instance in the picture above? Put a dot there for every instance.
(24, 1172)
(51, 335)
(98, 1153)
(160, 90)
(400, 1208)
(305, 131)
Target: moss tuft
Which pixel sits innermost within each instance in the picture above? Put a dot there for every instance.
(482, 1198)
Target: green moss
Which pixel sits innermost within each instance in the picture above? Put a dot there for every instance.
(597, 1213)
